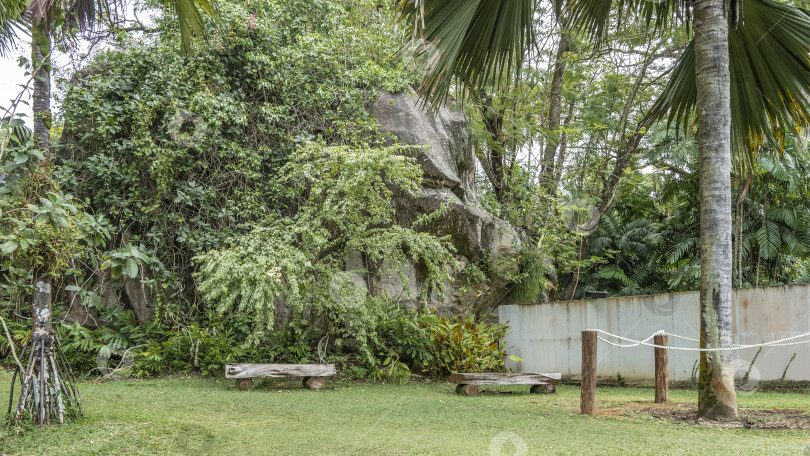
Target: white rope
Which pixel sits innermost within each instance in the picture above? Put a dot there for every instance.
(770, 344)
(634, 343)
(682, 337)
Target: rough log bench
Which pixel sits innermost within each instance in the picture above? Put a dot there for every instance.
(313, 373)
(541, 383)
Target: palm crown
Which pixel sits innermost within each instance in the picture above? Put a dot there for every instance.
(16, 16)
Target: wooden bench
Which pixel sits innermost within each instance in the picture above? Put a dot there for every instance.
(541, 383)
(313, 373)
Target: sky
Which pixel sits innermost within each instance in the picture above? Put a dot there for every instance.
(11, 76)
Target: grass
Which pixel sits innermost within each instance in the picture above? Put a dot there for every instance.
(198, 416)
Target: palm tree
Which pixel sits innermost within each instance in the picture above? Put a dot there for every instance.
(744, 81)
(42, 395)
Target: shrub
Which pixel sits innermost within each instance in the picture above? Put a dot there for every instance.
(344, 206)
(437, 346)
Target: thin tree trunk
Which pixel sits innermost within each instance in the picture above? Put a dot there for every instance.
(558, 167)
(570, 289)
(548, 163)
(497, 148)
(740, 220)
(716, 395)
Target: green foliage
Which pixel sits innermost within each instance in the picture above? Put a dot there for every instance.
(652, 245)
(434, 345)
(43, 232)
(41, 228)
(343, 197)
(156, 347)
(452, 31)
(183, 153)
(770, 77)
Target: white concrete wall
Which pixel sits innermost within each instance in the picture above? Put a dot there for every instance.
(548, 336)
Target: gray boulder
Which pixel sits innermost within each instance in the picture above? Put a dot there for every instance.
(448, 163)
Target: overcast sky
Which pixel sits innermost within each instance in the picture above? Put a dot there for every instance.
(11, 76)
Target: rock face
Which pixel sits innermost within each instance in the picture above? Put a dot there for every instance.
(448, 163)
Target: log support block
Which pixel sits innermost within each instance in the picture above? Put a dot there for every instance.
(314, 383)
(468, 390)
(547, 388)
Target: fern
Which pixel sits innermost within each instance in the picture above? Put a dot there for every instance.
(769, 240)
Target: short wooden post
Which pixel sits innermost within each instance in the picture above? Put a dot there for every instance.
(661, 370)
(588, 396)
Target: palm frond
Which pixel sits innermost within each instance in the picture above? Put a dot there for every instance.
(12, 24)
(770, 77)
(769, 240)
(612, 271)
(480, 42)
(189, 14)
(593, 16)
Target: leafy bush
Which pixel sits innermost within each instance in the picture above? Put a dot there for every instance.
(185, 152)
(344, 206)
(435, 345)
(156, 347)
(44, 233)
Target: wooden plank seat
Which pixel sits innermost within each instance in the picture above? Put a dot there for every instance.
(541, 383)
(313, 373)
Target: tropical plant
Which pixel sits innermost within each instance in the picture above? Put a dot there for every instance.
(770, 221)
(433, 345)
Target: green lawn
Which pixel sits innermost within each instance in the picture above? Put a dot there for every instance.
(198, 416)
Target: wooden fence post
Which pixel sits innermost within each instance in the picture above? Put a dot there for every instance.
(661, 370)
(588, 396)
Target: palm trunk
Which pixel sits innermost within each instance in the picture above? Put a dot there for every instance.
(41, 58)
(716, 396)
(47, 394)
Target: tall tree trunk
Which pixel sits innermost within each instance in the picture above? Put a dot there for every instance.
(41, 58)
(40, 393)
(716, 395)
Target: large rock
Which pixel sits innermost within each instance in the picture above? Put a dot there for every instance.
(447, 159)
(449, 171)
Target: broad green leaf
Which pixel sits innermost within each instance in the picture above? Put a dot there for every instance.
(41, 220)
(9, 247)
(132, 268)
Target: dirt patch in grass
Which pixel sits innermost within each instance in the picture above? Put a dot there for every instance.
(770, 420)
